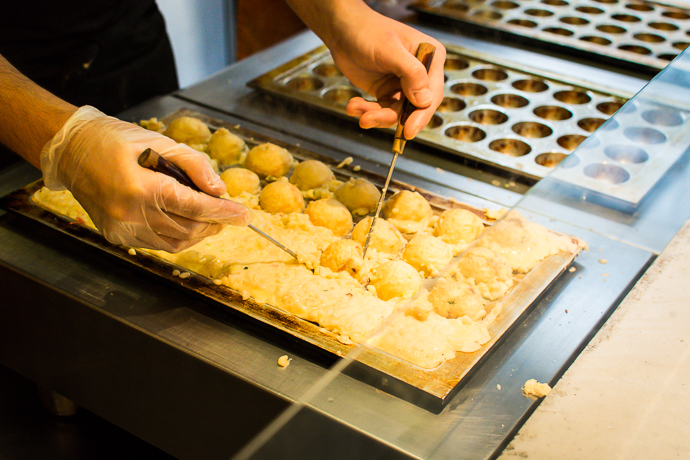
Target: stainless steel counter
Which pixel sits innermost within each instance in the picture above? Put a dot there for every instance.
(199, 381)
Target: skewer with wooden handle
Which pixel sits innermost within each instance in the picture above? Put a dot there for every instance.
(150, 159)
(425, 54)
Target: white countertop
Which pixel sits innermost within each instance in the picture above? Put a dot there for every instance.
(627, 396)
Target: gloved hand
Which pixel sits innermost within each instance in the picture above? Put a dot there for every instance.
(95, 157)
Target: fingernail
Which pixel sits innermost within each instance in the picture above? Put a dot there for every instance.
(357, 113)
(423, 96)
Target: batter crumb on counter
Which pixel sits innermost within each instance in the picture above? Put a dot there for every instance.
(185, 275)
(356, 168)
(284, 361)
(345, 162)
(493, 213)
(572, 269)
(176, 273)
(535, 389)
(132, 252)
(603, 261)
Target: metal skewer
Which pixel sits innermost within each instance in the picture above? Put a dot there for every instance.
(150, 159)
(425, 54)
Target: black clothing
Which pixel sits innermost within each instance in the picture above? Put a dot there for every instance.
(107, 53)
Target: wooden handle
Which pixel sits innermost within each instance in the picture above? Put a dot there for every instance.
(150, 159)
(425, 54)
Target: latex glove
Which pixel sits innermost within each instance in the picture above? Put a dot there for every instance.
(377, 54)
(95, 157)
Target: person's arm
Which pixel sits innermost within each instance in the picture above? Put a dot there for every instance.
(95, 157)
(377, 54)
(29, 115)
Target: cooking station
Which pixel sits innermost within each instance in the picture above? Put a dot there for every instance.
(199, 380)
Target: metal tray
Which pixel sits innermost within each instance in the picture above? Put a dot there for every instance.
(635, 33)
(430, 389)
(520, 119)
(630, 154)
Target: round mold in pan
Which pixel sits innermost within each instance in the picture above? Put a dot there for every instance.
(511, 147)
(455, 62)
(676, 15)
(590, 124)
(606, 172)
(559, 31)
(552, 112)
(611, 29)
(490, 74)
(304, 83)
(509, 101)
(640, 7)
(487, 15)
(465, 133)
(649, 37)
(529, 85)
(435, 122)
(523, 23)
(485, 116)
(539, 12)
(596, 39)
(642, 135)
(663, 117)
(550, 159)
(626, 154)
(326, 69)
(555, 2)
(574, 20)
(532, 130)
(637, 49)
(570, 141)
(469, 89)
(665, 26)
(505, 5)
(340, 95)
(628, 18)
(572, 97)
(451, 104)
(609, 107)
(593, 10)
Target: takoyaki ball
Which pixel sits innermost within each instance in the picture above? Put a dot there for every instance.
(343, 255)
(331, 214)
(240, 180)
(395, 278)
(188, 130)
(407, 206)
(269, 160)
(311, 174)
(226, 147)
(281, 197)
(457, 226)
(385, 237)
(359, 195)
(487, 270)
(455, 299)
(427, 254)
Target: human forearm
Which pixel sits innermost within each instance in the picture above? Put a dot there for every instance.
(29, 115)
